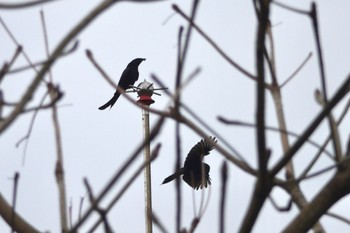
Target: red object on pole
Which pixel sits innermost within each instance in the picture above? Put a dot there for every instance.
(145, 100)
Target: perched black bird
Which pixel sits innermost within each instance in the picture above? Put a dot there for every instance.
(195, 172)
(129, 77)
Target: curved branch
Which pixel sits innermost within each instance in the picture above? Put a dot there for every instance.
(241, 123)
(20, 224)
(212, 43)
(297, 70)
(12, 6)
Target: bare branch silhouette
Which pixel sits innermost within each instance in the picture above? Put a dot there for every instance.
(24, 4)
(211, 42)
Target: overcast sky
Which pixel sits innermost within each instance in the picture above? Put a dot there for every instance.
(97, 143)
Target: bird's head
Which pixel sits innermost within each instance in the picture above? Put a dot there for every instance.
(136, 62)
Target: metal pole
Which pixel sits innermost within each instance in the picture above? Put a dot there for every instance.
(145, 91)
(147, 171)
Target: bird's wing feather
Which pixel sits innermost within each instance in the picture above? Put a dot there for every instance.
(201, 149)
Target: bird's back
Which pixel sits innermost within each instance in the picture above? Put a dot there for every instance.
(128, 77)
(131, 74)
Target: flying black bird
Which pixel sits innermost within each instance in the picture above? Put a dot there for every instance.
(195, 172)
(129, 77)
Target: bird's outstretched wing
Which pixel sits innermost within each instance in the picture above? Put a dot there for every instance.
(201, 149)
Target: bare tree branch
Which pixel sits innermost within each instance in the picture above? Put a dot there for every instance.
(224, 175)
(332, 125)
(216, 47)
(21, 225)
(24, 4)
(263, 184)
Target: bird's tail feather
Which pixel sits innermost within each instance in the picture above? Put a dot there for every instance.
(174, 176)
(111, 102)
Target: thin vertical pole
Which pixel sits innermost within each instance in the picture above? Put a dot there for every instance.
(147, 171)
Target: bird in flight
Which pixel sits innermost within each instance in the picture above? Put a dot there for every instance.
(128, 78)
(195, 172)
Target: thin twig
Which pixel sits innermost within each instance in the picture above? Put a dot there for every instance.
(293, 9)
(332, 126)
(177, 132)
(59, 170)
(90, 55)
(320, 172)
(194, 205)
(80, 208)
(212, 43)
(17, 44)
(270, 57)
(204, 205)
(297, 70)
(13, 6)
(337, 216)
(194, 224)
(158, 223)
(14, 201)
(282, 209)
(5, 69)
(59, 95)
(100, 211)
(224, 175)
(29, 132)
(271, 128)
(70, 214)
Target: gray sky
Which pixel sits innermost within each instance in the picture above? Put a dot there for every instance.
(96, 143)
